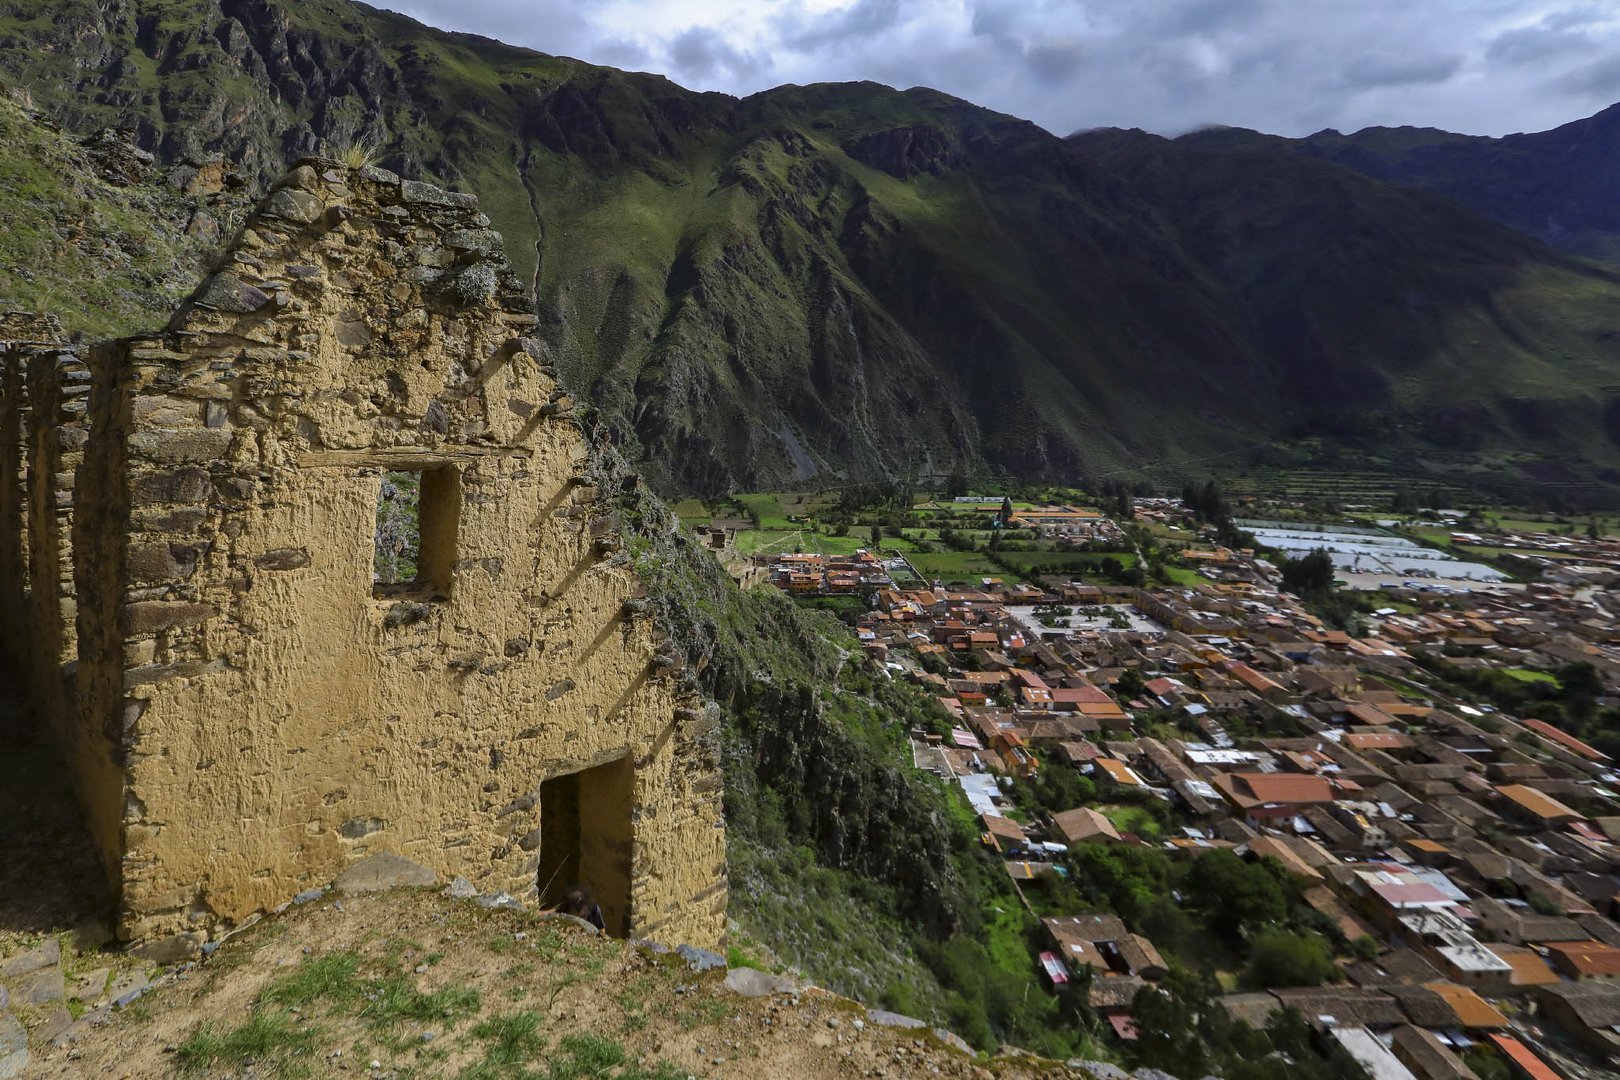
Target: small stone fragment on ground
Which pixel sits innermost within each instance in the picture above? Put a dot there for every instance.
(500, 900)
(47, 954)
(383, 871)
(90, 986)
(55, 1024)
(41, 988)
(128, 981)
(1102, 1070)
(750, 982)
(13, 1047)
(700, 959)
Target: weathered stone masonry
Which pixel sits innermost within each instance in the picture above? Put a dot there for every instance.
(243, 712)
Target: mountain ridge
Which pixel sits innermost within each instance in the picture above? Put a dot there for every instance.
(846, 282)
(1550, 184)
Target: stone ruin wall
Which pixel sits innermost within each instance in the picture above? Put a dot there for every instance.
(44, 428)
(244, 716)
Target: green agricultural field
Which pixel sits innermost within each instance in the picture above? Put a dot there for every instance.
(773, 541)
(955, 565)
(1485, 551)
(1068, 560)
(1530, 676)
(1134, 819)
(769, 509)
(1181, 575)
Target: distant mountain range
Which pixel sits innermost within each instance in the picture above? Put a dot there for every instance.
(849, 282)
(1558, 186)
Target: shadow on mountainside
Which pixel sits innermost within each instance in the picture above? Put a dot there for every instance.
(52, 880)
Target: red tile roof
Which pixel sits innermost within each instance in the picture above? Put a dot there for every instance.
(1284, 787)
(1564, 739)
(1533, 1066)
(1586, 959)
(1080, 695)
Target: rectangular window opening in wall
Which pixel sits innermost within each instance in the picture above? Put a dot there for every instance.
(418, 517)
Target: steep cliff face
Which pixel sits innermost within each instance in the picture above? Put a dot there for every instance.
(828, 282)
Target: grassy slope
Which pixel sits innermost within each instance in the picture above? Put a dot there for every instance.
(845, 861)
(428, 986)
(106, 260)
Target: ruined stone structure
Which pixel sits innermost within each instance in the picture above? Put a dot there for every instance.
(186, 567)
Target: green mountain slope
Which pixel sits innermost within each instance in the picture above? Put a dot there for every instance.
(1556, 185)
(852, 281)
(1402, 322)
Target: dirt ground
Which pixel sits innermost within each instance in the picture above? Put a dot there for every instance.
(417, 984)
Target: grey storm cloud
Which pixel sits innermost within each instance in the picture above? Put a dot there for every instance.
(1385, 70)
(1288, 66)
(1601, 78)
(1533, 44)
(703, 53)
(860, 20)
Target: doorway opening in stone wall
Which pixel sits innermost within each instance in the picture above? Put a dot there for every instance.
(418, 517)
(585, 839)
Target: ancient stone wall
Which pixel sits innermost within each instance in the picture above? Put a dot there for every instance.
(22, 334)
(13, 501)
(44, 408)
(270, 712)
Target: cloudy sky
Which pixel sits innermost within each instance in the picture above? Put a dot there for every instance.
(1288, 66)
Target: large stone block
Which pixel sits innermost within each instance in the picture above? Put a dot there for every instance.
(382, 872)
(227, 292)
(171, 447)
(287, 558)
(180, 486)
(13, 1047)
(161, 562)
(151, 616)
(295, 205)
(47, 954)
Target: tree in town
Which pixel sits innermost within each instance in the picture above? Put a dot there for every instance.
(1237, 896)
(1280, 957)
(1125, 505)
(1130, 684)
(1308, 575)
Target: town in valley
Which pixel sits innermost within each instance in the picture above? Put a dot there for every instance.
(1397, 727)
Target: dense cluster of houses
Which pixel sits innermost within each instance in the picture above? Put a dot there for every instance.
(1477, 853)
(811, 574)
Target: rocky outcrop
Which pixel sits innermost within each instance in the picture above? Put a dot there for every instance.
(905, 151)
